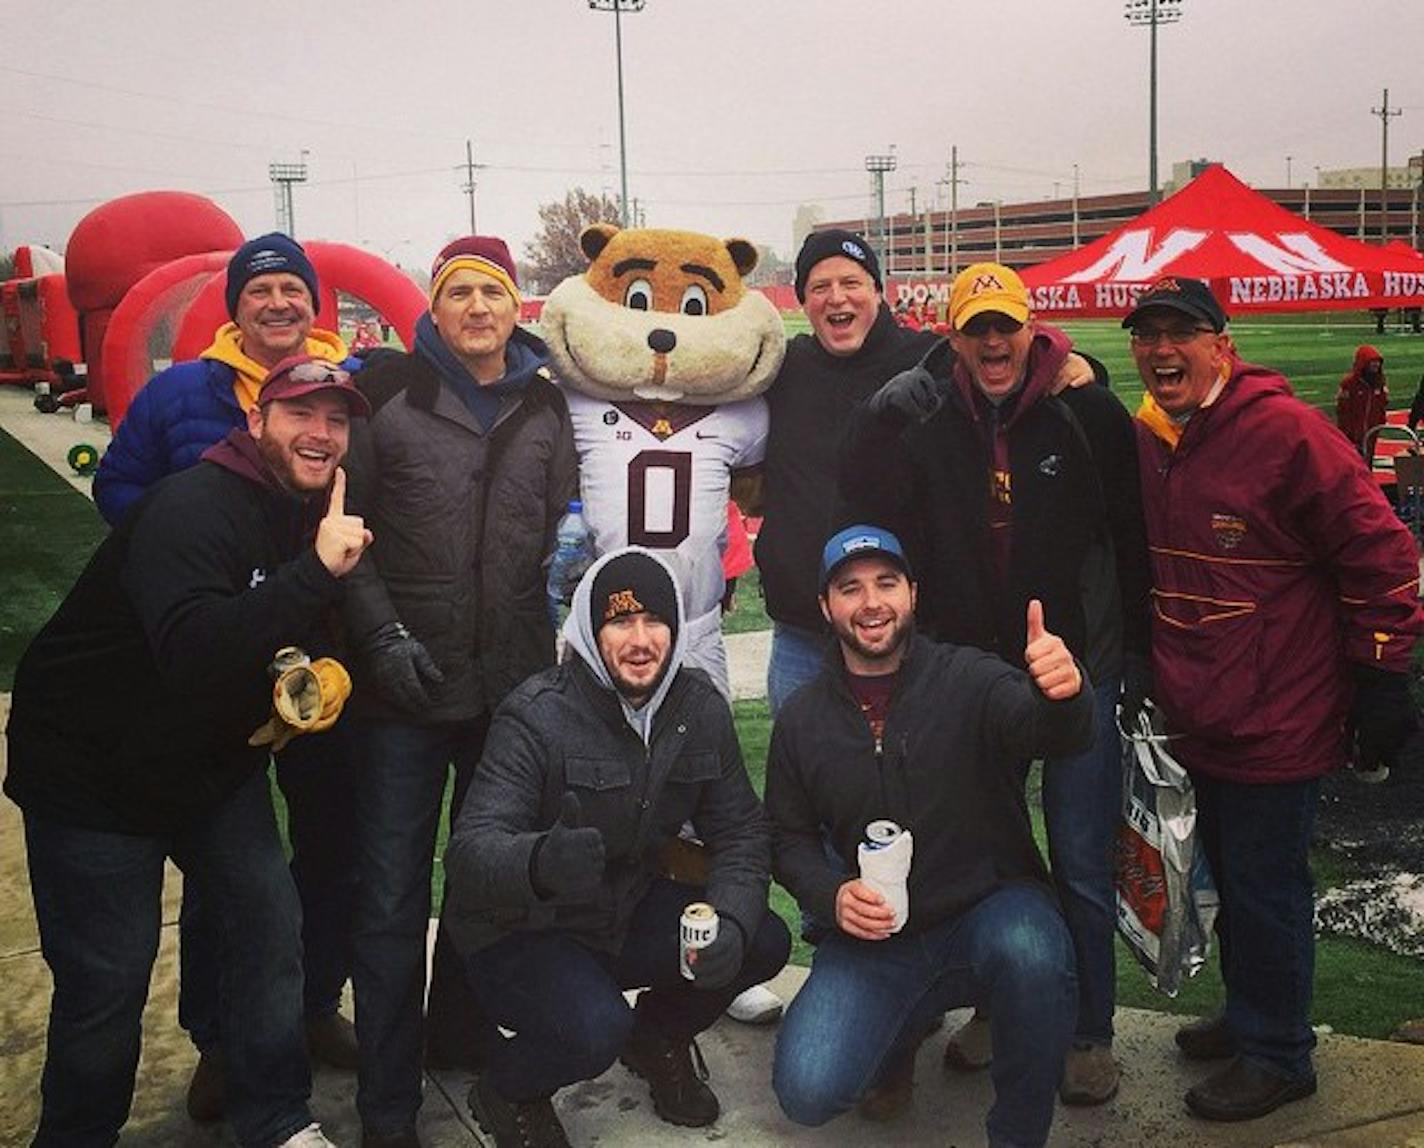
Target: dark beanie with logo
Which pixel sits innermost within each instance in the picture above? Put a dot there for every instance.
(632, 583)
(268, 255)
(821, 245)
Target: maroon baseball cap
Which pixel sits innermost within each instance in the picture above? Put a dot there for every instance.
(299, 375)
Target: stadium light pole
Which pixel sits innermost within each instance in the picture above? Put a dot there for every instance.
(618, 7)
(1152, 13)
(878, 165)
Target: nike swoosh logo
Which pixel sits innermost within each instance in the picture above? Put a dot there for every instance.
(699, 434)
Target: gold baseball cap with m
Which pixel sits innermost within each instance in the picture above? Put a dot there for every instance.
(987, 287)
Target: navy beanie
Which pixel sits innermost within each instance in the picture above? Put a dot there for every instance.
(821, 245)
(263, 256)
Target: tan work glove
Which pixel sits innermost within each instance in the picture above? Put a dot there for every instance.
(307, 697)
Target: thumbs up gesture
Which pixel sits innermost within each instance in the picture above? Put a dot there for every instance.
(1049, 663)
(340, 537)
(568, 860)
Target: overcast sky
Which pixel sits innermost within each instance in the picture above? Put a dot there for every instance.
(737, 111)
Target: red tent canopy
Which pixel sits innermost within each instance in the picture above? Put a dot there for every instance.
(1256, 255)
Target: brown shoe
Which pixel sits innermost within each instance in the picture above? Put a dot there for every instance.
(1210, 1038)
(971, 1046)
(680, 1092)
(1246, 1090)
(207, 1091)
(1410, 1032)
(331, 1040)
(1090, 1075)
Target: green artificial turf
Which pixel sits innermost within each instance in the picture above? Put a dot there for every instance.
(47, 533)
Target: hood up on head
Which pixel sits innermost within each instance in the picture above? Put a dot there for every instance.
(580, 637)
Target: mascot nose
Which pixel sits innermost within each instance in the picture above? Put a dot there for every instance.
(661, 340)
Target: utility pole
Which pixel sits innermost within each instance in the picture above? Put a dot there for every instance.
(1152, 13)
(878, 165)
(1384, 114)
(951, 239)
(998, 243)
(618, 7)
(468, 187)
(1288, 173)
(1075, 205)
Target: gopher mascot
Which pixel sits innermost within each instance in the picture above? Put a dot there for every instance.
(662, 351)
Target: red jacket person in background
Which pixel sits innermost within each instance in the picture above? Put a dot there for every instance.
(1363, 399)
(1286, 608)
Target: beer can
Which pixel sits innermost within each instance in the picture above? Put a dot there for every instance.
(698, 930)
(880, 834)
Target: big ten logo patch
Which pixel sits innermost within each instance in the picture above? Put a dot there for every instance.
(1229, 530)
(1001, 487)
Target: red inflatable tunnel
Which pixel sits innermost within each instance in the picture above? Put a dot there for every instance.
(339, 267)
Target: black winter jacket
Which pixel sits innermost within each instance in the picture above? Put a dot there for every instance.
(947, 768)
(133, 706)
(563, 731)
(810, 405)
(1078, 540)
(463, 522)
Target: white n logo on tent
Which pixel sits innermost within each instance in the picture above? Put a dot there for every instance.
(1131, 259)
(1298, 253)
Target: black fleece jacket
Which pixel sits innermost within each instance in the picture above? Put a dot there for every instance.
(810, 405)
(133, 705)
(959, 726)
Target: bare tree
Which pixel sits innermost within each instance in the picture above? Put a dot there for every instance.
(554, 254)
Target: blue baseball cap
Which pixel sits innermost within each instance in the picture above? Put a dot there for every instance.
(859, 542)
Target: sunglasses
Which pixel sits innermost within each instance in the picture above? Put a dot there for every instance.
(1177, 336)
(981, 325)
(317, 372)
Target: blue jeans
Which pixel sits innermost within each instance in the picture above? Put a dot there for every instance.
(400, 780)
(1257, 840)
(797, 656)
(564, 1001)
(98, 899)
(867, 1001)
(1082, 800)
(314, 776)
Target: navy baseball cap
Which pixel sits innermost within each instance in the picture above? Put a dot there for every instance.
(1178, 293)
(860, 542)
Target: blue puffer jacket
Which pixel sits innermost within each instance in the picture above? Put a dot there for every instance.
(175, 416)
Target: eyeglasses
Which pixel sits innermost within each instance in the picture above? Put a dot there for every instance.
(1177, 336)
(982, 324)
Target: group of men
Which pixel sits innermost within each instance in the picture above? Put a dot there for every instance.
(972, 557)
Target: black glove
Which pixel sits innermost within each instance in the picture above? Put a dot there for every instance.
(1137, 687)
(402, 668)
(1384, 716)
(567, 862)
(716, 965)
(910, 396)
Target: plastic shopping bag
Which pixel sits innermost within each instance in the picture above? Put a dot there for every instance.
(1166, 900)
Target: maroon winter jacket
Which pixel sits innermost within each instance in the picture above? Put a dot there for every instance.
(1276, 562)
(1362, 402)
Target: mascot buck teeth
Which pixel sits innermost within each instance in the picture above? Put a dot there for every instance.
(663, 351)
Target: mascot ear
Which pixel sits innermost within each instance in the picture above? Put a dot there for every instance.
(744, 255)
(594, 238)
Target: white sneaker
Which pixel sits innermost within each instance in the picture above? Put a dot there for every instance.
(757, 1005)
(309, 1137)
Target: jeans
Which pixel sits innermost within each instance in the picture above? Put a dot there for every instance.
(797, 656)
(1257, 840)
(1082, 800)
(400, 780)
(564, 1001)
(98, 899)
(867, 1001)
(314, 776)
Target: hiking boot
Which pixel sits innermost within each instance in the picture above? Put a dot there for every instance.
(1245, 1090)
(1090, 1074)
(680, 1094)
(207, 1091)
(971, 1046)
(331, 1040)
(309, 1137)
(515, 1124)
(757, 1005)
(892, 1091)
(1210, 1038)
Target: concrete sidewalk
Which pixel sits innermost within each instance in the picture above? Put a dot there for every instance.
(1371, 1092)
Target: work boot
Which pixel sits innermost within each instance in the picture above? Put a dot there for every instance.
(516, 1124)
(1245, 1090)
(680, 1094)
(1210, 1038)
(970, 1047)
(207, 1091)
(1090, 1074)
(331, 1040)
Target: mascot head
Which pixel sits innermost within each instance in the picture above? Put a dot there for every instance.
(663, 315)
